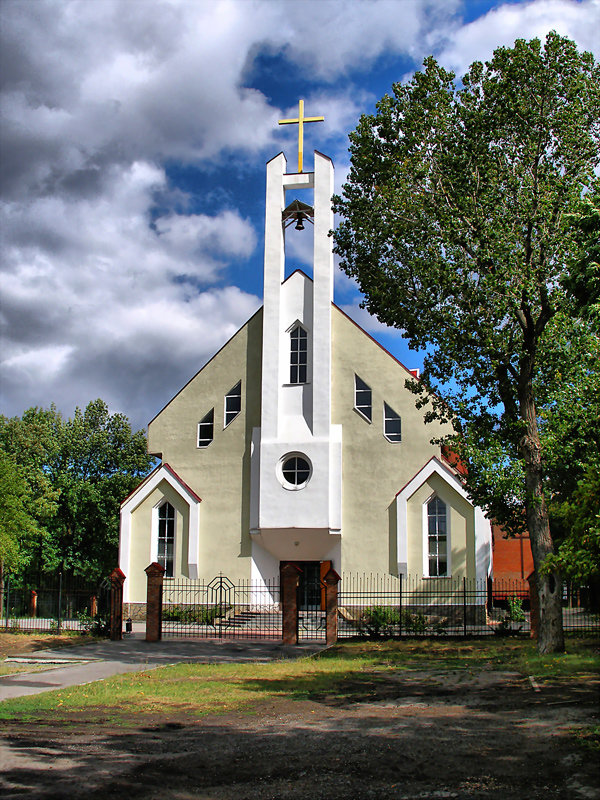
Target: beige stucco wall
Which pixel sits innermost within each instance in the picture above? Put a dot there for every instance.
(219, 473)
(141, 537)
(461, 528)
(373, 469)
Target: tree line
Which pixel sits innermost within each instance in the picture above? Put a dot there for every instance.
(61, 484)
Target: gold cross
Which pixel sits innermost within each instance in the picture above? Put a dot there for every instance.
(300, 122)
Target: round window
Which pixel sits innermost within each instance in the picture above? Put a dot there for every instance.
(295, 471)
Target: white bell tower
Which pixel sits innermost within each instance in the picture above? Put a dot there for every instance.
(296, 496)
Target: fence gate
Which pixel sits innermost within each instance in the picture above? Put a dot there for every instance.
(312, 606)
(221, 609)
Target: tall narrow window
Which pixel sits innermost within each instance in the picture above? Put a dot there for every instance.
(363, 401)
(298, 355)
(437, 537)
(206, 429)
(392, 424)
(233, 403)
(166, 537)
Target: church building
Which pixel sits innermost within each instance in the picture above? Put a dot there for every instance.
(299, 442)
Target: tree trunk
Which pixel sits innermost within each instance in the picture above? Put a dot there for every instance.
(549, 586)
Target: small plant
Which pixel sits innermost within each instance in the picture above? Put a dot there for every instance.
(193, 615)
(414, 622)
(440, 627)
(376, 621)
(13, 623)
(97, 626)
(515, 609)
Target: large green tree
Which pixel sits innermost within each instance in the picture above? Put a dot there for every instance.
(456, 223)
(90, 463)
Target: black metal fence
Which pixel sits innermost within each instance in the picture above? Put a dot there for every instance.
(53, 603)
(385, 605)
(221, 609)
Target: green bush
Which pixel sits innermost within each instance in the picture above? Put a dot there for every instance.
(515, 609)
(414, 622)
(193, 615)
(377, 621)
(97, 626)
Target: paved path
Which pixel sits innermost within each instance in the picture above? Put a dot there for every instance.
(100, 660)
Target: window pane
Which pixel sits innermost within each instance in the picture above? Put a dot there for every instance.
(363, 398)
(233, 403)
(296, 470)
(166, 538)
(392, 424)
(206, 429)
(298, 355)
(437, 537)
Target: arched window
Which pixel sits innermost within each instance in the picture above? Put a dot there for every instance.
(298, 355)
(437, 538)
(166, 538)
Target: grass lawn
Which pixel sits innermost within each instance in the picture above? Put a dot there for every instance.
(353, 670)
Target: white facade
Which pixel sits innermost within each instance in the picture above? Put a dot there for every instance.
(296, 416)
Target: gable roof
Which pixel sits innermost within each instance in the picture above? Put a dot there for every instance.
(151, 481)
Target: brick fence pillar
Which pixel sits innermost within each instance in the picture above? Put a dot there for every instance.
(117, 579)
(155, 575)
(332, 580)
(290, 577)
(534, 606)
(33, 597)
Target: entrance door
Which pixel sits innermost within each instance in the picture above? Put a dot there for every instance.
(309, 588)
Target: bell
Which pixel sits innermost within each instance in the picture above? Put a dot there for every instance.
(300, 222)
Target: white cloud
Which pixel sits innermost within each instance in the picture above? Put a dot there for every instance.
(91, 291)
(476, 41)
(102, 297)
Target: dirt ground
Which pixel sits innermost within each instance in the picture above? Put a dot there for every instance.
(412, 735)
(19, 643)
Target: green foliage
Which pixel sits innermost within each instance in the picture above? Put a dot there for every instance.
(515, 609)
(196, 615)
(98, 625)
(386, 621)
(578, 555)
(570, 435)
(78, 471)
(378, 621)
(460, 225)
(19, 529)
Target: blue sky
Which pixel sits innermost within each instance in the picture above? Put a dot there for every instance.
(134, 140)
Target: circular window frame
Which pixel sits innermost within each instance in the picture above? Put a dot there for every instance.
(293, 487)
